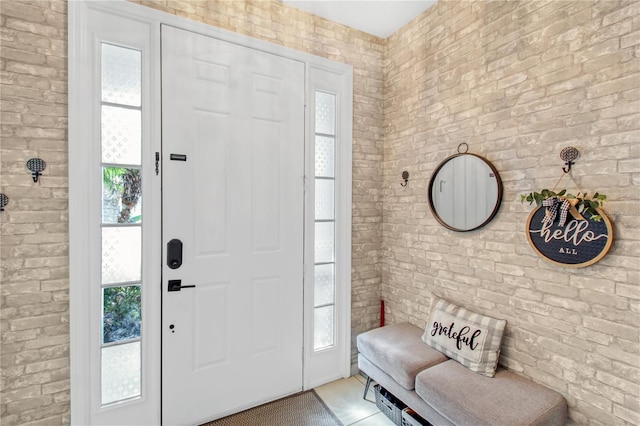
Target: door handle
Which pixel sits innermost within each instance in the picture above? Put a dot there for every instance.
(176, 285)
(174, 254)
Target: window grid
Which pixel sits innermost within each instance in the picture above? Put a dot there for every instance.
(121, 224)
(324, 264)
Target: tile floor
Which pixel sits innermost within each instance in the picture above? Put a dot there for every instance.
(344, 398)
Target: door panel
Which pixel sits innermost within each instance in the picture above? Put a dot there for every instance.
(210, 219)
(235, 339)
(210, 319)
(266, 197)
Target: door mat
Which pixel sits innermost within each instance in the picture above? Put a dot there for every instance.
(302, 409)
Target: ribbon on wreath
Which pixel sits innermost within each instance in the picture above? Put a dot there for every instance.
(562, 205)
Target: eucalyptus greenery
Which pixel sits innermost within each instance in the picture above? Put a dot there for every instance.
(585, 206)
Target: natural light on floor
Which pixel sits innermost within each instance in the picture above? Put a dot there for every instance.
(344, 398)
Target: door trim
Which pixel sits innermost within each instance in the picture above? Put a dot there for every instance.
(83, 242)
(319, 364)
(91, 23)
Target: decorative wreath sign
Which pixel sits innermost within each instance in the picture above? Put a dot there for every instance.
(566, 229)
(576, 243)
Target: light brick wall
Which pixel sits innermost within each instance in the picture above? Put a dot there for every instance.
(33, 61)
(519, 81)
(34, 316)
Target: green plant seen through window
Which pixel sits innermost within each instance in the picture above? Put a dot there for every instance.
(126, 183)
(122, 313)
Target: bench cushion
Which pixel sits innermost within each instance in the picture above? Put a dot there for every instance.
(473, 399)
(399, 351)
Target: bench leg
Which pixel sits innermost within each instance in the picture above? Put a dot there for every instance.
(366, 387)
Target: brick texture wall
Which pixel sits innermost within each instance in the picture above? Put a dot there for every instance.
(34, 317)
(517, 82)
(34, 363)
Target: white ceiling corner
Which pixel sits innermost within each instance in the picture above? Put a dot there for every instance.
(378, 17)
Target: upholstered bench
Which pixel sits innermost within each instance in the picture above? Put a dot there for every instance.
(398, 350)
(444, 391)
(467, 398)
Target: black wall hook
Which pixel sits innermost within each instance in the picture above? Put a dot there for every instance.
(36, 166)
(569, 155)
(4, 200)
(405, 177)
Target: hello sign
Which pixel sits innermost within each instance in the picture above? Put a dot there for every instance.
(577, 244)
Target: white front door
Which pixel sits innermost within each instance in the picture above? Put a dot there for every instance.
(232, 191)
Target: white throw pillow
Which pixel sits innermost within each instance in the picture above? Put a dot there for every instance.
(465, 336)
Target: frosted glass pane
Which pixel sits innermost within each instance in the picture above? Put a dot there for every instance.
(121, 75)
(323, 334)
(323, 285)
(324, 242)
(325, 156)
(121, 254)
(121, 195)
(121, 135)
(324, 199)
(325, 113)
(120, 372)
(121, 313)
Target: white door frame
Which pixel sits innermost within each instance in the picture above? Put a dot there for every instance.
(91, 22)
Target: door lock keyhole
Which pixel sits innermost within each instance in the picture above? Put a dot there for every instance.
(172, 327)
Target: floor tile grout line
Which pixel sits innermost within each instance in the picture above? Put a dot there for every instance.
(365, 418)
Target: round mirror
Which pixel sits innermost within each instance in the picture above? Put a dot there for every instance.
(465, 192)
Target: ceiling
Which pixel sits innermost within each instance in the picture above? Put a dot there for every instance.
(378, 17)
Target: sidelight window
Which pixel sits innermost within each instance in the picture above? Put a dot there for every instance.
(121, 225)
(325, 221)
